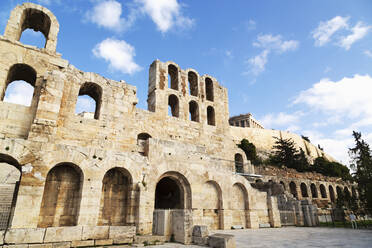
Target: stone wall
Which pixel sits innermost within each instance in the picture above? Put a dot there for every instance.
(70, 164)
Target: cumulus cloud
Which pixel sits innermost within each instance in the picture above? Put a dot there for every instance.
(358, 32)
(108, 14)
(85, 104)
(165, 13)
(250, 25)
(19, 92)
(326, 31)
(269, 43)
(119, 54)
(348, 97)
(281, 120)
(257, 63)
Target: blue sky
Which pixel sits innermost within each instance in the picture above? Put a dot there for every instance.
(303, 66)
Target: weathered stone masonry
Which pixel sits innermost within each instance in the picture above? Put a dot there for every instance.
(100, 180)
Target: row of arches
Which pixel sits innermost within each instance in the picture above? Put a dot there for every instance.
(62, 197)
(173, 83)
(20, 87)
(173, 110)
(314, 191)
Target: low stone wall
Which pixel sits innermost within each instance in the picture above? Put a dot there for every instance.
(74, 236)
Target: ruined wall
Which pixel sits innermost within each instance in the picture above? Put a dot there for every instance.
(71, 165)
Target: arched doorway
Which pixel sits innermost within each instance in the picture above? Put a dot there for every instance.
(239, 205)
(10, 176)
(173, 206)
(212, 205)
(115, 198)
(62, 195)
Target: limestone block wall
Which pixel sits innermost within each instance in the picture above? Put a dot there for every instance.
(70, 165)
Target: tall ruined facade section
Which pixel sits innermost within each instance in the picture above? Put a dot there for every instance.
(125, 171)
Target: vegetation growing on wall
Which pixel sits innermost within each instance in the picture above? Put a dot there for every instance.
(250, 151)
(286, 154)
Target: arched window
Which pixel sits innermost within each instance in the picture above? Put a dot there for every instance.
(293, 188)
(304, 190)
(193, 83)
(33, 19)
(339, 191)
(173, 106)
(142, 143)
(88, 104)
(211, 116)
(314, 191)
(323, 191)
(62, 195)
(239, 163)
(194, 111)
(19, 85)
(209, 89)
(331, 193)
(172, 77)
(282, 183)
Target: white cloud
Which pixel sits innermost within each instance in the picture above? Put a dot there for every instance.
(19, 92)
(258, 62)
(282, 119)
(48, 2)
(85, 104)
(276, 43)
(268, 43)
(108, 14)
(325, 30)
(368, 53)
(119, 54)
(349, 97)
(165, 13)
(358, 32)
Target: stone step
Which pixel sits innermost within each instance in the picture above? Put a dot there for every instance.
(150, 239)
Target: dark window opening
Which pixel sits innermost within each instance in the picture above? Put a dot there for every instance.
(173, 106)
(193, 83)
(314, 192)
(239, 168)
(282, 183)
(142, 142)
(209, 89)
(88, 104)
(211, 116)
(293, 188)
(173, 77)
(194, 111)
(332, 194)
(20, 85)
(304, 190)
(323, 191)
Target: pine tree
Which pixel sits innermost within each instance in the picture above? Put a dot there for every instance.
(361, 162)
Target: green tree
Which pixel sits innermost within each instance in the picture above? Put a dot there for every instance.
(250, 151)
(361, 162)
(285, 153)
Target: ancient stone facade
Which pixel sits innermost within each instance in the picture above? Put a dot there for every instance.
(245, 120)
(101, 178)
